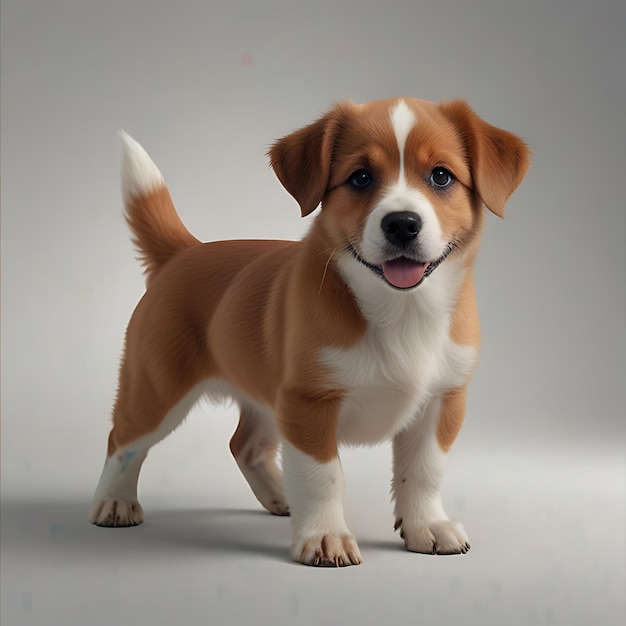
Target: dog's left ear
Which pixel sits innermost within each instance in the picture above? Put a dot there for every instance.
(302, 159)
(498, 159)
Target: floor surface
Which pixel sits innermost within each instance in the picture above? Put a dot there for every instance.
(547, 532)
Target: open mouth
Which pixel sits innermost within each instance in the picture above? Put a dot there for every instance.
(404, 273)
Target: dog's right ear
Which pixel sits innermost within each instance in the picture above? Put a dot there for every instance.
(302, 159)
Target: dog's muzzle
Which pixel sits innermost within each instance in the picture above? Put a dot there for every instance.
(403, 273)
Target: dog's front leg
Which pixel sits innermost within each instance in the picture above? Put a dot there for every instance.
(319, 534)
(314, 483)
(419, 458)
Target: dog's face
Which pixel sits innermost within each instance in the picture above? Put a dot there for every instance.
(402, 181)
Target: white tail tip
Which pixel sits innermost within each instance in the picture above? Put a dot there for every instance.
(139, 173)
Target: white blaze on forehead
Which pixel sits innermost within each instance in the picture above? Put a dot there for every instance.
(402, 121)
(400, 196)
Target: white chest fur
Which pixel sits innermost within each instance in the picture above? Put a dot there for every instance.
(406, 357)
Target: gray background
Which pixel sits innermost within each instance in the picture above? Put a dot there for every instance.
(537, 475)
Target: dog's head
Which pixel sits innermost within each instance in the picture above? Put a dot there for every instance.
(402, 182)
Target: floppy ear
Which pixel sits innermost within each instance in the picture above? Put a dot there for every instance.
(302, 159)
(498, 159)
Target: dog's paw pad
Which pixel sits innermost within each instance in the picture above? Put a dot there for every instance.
(440, 537)
(328, 551)
(114, 512)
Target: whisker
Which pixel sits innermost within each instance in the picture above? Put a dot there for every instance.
(325, 271)
(325, 251)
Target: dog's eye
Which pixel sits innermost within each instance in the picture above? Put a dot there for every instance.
(360, 179)
(440, 177)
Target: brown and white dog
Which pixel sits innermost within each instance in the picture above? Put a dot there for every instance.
(364, 331)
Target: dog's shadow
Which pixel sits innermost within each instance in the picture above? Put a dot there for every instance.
(61, 528)
(50, 525)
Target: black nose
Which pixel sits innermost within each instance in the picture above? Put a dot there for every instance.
(401, 227)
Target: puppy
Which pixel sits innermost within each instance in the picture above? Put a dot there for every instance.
(365, 330)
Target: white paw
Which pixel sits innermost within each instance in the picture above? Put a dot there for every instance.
(327, 550)
(276, 506)
(267, 485)
(266, 482)
(114, 512)
(437, 537)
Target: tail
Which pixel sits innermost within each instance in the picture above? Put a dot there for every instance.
(158, 232)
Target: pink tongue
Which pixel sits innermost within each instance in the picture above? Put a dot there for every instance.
(404, 273)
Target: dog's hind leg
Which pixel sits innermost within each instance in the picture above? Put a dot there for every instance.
(254, 446)
(115, 500)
